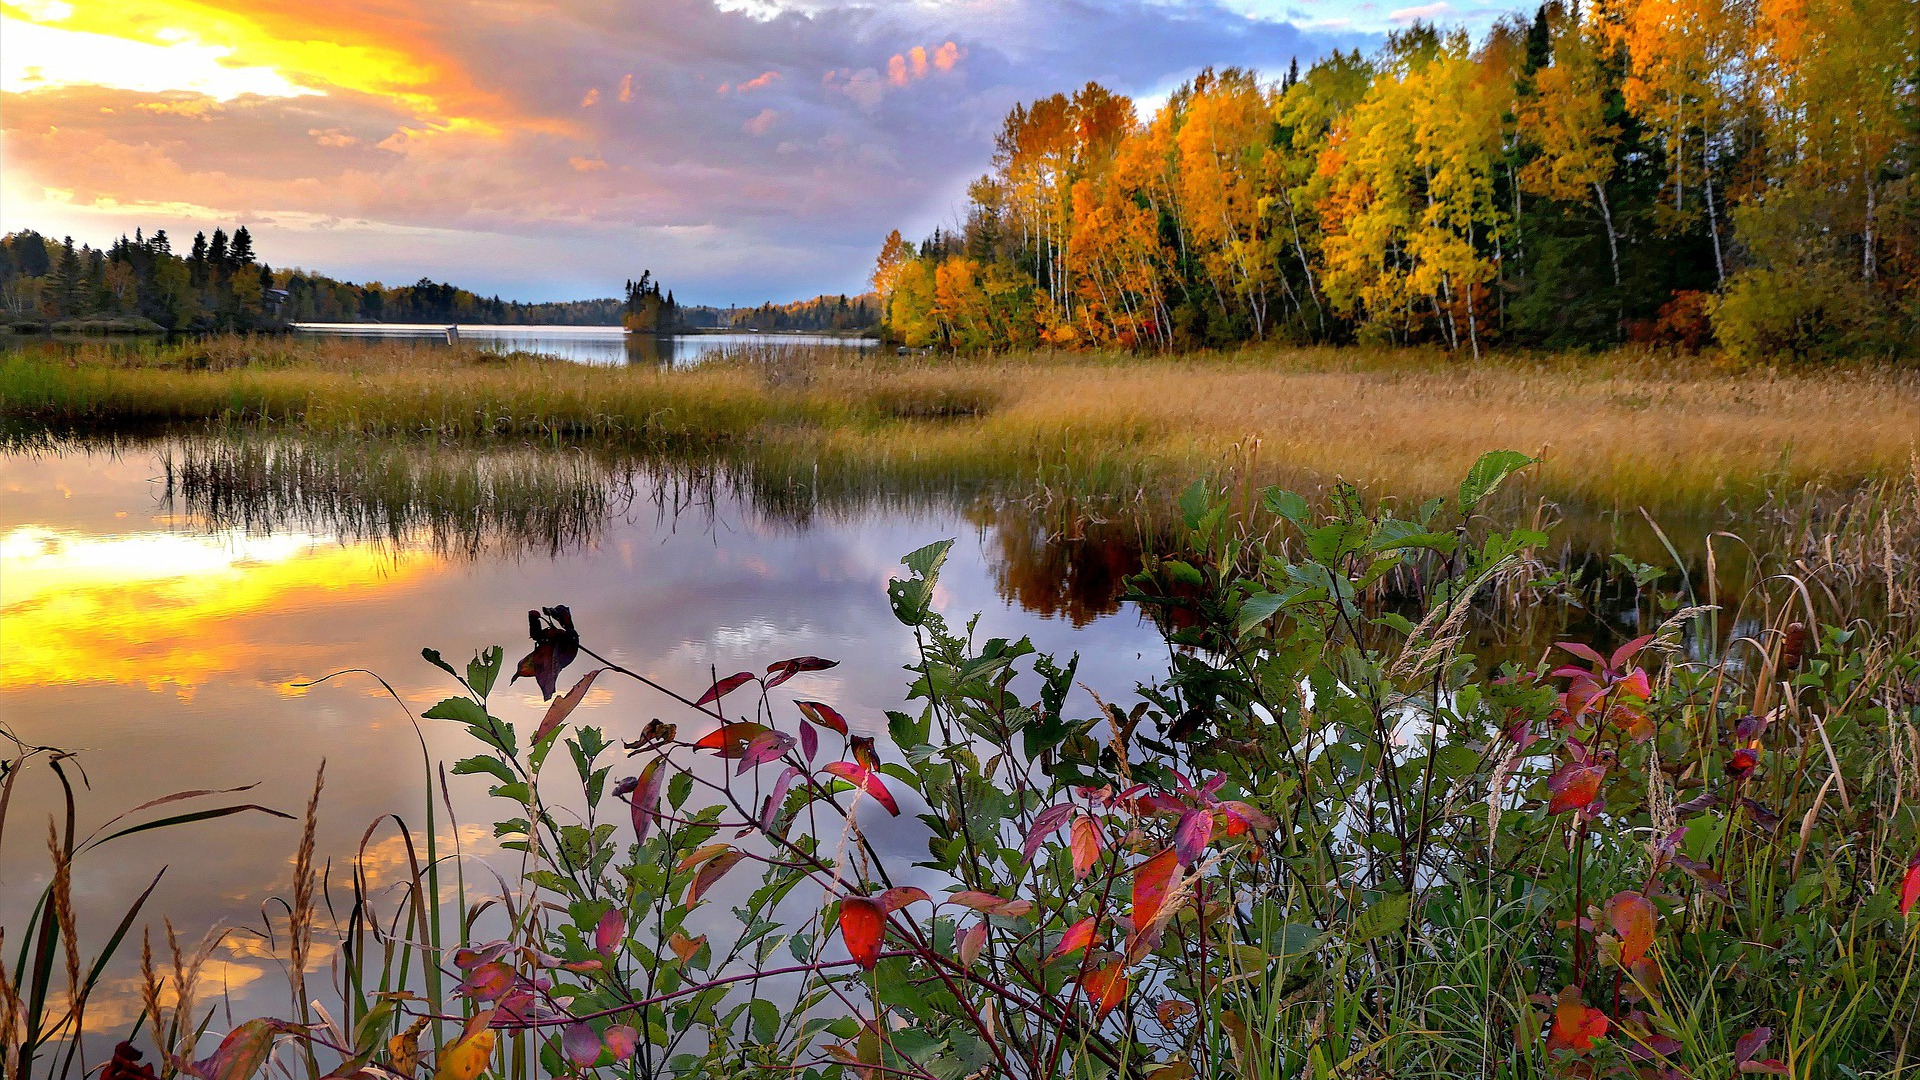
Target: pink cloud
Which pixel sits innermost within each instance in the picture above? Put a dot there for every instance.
(948, 56)
(762, 123)
(592, 98)
(759, 82)
(626, 87)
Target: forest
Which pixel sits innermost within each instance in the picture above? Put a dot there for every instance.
(221, 284)
(1672, 172)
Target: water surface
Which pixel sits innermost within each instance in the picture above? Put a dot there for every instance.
(163, 600)
(601, 345)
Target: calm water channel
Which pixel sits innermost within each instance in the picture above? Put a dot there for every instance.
(604, 345)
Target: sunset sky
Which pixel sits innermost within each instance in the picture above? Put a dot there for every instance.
(547, 149)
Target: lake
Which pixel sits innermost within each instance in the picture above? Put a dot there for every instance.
(163, 600)
(585, 344)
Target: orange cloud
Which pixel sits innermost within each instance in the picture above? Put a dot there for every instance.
(584, 164)
(760, 82)
(592, 98)
(916, 63)
(626, 87)
(395, 52)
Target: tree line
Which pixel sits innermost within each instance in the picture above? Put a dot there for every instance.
(220, 284)
(1668, 171)
(826, 314)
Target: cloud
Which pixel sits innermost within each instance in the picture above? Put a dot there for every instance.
(431, 136)
(1421, 13)
(761, 123)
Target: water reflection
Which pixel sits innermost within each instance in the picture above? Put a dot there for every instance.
(161, 600)
(599, 345)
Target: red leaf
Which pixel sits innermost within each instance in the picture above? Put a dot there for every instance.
(1191, 836)
(715, 868)
(1575, 1026)
(989, 904)
(1632, 916)
(783, 670)
(1151, 881)
(1045, 824)
(623, 1041)
(900, 896)
(730, 740)
(1910, 888)
(1574, 787)
(611, 930)
(1106, 987)
(861, 926)
(1584, 652)
(762, 748)
(823, 714)
(1748, 1046)
(971, 943)
(1086, 844)
(862, 748)
(725, 686)
(809, 740)
(1627, 652)
(770, 810)
(564, 705)
(1078, 936)
(646, 799)
(489, 981)
(863, 778)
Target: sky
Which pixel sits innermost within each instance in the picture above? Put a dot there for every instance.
(742, 150)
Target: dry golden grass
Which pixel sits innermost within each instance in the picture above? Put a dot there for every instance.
(1619, 428)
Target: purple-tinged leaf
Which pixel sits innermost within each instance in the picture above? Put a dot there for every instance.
(646, 799)
(1045, 824)
(780, 672)
(610, 932)
(580, 1044)
(823, 714)
(555, 644)
(724, 687)
(809, 740)
(1191, 836)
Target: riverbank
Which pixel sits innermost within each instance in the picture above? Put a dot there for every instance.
(1623, 428)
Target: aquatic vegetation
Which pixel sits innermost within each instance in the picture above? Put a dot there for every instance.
(1617, 429)
(1332, 841)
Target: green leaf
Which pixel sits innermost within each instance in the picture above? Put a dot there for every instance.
(483, 671)
(926, 562)
(1257, 609)
(1387, 915)
(464, 709)
(766, 1020)
(481, 763)
(1288, 505)
(1487, 474)
(433, 657)
(679, 789)
(1453, 762)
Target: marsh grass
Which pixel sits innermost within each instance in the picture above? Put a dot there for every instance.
(1614, 429)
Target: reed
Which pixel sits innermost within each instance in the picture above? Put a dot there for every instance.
(1622, 428)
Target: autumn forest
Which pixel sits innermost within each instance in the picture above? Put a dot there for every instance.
(1664, 171)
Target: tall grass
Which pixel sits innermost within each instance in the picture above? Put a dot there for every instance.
(1624, 428)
